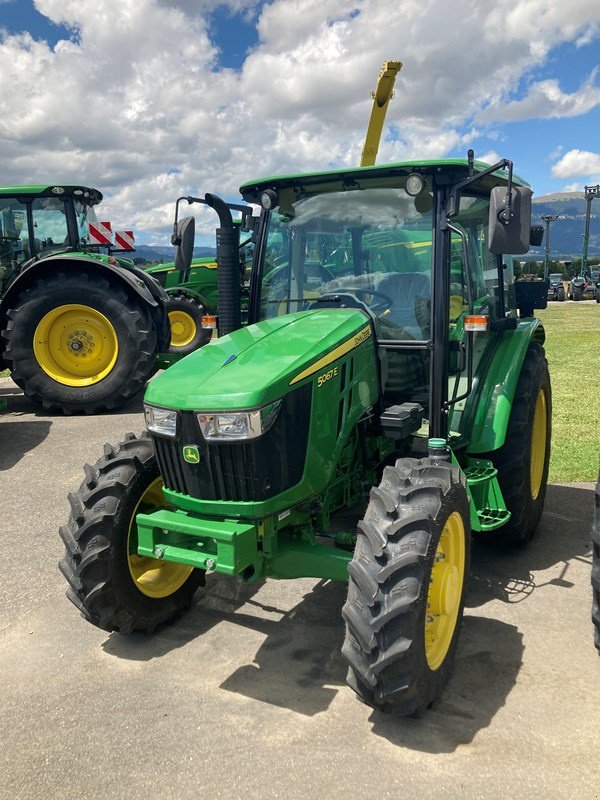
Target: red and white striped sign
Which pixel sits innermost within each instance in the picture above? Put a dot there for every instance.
(124, 240)
(100, 233)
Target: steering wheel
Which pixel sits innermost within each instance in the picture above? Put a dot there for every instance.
(378, 308)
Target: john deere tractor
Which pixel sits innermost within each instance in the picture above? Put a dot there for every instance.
(80, 329)
(389, 374)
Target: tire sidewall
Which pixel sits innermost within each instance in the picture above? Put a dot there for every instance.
(433, 680)
(196, 311)
(73, 289)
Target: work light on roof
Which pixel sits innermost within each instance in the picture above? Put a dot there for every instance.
(269, 199)
(414, 184)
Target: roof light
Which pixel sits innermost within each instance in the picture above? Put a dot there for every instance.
(414, 184)
(269, 199)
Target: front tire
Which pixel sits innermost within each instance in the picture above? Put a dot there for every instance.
(113, 587)
(406, 586)
(79, 343)
(522, 462)
(185, 319)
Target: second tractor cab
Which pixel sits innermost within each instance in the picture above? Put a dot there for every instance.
(391, 373)
(80, 326)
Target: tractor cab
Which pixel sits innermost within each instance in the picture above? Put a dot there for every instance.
(39, 221)
(394, 242)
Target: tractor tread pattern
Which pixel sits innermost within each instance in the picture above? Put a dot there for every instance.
(388, 584)
(105, 596)
(122, 384)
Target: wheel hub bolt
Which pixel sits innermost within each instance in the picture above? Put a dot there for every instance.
(210, 563)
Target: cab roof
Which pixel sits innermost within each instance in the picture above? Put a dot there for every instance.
(455, 168)
(92, 196)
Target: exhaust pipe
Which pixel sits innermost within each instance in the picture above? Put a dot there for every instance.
(228, 267)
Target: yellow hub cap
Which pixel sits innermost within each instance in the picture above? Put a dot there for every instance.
(75, 345)
(183, 328)
(445, 591)
(152, 577)
(538, 444)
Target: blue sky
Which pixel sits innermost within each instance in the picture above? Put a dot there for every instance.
(178, 96)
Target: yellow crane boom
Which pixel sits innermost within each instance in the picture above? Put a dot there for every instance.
(381, 98)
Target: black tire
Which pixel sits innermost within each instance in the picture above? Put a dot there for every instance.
(132, 323)
(389, 579)
(187, 305)
(96, 542)
(513, 459)
(596, 570)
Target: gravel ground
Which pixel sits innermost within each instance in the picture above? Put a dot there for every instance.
(245, 695)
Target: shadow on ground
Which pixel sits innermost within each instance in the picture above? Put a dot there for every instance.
(564, 535)
(19, 404)
(299, 665)
(19, 438)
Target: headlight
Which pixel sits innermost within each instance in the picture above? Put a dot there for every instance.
(234, 426)
(161, 420)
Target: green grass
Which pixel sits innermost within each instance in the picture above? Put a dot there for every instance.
(573, 351)
(4, 373)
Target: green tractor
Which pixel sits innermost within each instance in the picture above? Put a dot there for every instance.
(388, 398)
(80, 328)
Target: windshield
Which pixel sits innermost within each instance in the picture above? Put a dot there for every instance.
(371, 246)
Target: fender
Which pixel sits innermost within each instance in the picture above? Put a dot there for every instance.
(494, 401)
(144, 286)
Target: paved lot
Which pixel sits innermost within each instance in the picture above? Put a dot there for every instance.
(245, 696)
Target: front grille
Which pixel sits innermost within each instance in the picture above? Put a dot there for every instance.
(240, 471)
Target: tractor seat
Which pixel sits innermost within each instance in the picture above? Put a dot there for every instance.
(410, 293)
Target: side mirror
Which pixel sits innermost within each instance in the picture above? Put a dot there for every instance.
(536, 235)
(509, 228)
(186, 232)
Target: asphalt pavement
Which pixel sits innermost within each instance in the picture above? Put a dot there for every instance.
(245, 697)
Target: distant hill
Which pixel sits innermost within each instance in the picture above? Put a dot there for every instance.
(566, 236)
(166, 253)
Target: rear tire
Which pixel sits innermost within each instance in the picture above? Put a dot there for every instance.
(58, 386)
(98, 563)
(185, 317)
(522, 482)
(398, 663)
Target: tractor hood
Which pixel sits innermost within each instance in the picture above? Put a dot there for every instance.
(255, 365)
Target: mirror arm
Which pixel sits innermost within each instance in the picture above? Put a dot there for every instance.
(454, 196)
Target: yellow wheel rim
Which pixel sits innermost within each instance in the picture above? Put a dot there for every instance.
(538, 444)
(445, 591)
(183, 328)
(75, 345)
(152, 577)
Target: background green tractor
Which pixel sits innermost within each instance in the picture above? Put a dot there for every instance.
(388, 398)
(193, 297)
(80, 329)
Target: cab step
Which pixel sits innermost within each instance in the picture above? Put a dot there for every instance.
(482, 479)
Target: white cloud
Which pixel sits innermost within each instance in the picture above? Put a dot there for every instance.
(576, 163)
(573, 187)
(137, 105)
(546, 100)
